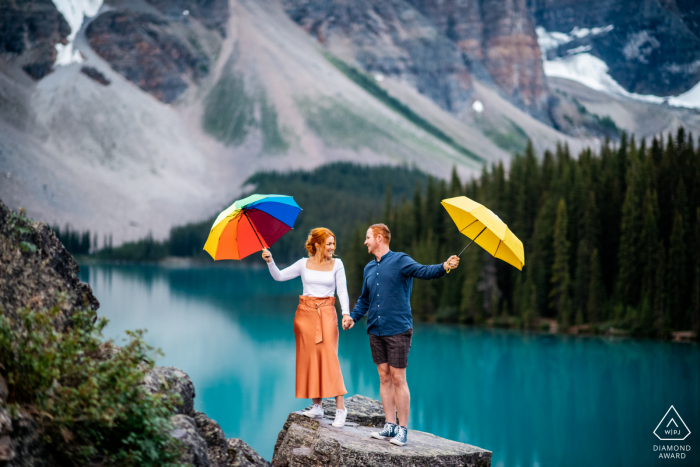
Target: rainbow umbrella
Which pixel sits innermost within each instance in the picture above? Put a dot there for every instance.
(251, 224)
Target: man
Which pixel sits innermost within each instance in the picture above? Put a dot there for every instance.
(386, 299)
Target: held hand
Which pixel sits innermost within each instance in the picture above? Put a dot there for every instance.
(266, 255)
(348, 322)
(451, 263)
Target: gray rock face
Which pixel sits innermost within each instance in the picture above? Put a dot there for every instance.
(653, 47)
(161, 47)
(7, 453)
(195, 450)
(29, 31)
(26, 447)
(437, 46)
(499, 44)
(173, 380)
(36, 268)
(315, 442)
(242, 455)
(214, 437)
(392, 38)
(213, 14)
(148, 51)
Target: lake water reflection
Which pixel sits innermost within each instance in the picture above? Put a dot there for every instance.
(534, 400)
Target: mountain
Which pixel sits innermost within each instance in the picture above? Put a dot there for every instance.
(649, 46)
(157, 111)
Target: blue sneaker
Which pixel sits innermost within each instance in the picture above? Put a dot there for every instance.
(401, 437)
(389, 431)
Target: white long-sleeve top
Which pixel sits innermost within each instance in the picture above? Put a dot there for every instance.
(316, 283)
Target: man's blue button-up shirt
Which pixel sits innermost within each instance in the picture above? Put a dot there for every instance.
(386, 292)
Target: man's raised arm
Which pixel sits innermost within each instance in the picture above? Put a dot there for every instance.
(410, 268)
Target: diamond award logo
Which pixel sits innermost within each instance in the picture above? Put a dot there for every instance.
(672, 427)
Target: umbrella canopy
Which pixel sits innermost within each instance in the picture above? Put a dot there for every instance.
(485, 228)
(251, 224)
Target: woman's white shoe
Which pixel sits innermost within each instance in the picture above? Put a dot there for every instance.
(315, 411)
(340, 416)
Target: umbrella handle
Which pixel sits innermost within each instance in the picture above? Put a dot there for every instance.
(460, 253)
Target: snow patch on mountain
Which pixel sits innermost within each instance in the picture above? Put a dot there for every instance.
(74, 11)
(591, 71)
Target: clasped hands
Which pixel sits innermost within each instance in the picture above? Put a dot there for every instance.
(348, 322)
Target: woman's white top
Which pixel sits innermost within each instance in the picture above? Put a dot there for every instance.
(316, 283)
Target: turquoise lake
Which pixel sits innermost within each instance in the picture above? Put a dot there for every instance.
(532, 399)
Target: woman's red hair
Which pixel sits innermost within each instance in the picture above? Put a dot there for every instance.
(319, 235)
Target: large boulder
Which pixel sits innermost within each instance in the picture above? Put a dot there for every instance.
(172, 380)
(195, 450)
(37, 271)
(242, 455)
(304, 441)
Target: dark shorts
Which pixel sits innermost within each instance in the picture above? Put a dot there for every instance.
(391, 349)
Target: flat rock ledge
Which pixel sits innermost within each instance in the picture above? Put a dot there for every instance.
(304, 441)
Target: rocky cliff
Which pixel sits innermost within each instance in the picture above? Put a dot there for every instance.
(436, 46)
(35, 269)
(389, 38)
(498, 37)
(649, 46)
(29, 30)
(160, 46)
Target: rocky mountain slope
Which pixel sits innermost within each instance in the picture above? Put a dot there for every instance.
(176, 103)
(438, 47)
(650, 46)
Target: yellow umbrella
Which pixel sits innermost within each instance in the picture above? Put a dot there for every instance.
(485, 228)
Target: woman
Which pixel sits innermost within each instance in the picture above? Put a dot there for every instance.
(316, 323)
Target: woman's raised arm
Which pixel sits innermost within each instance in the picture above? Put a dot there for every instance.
(287, 273)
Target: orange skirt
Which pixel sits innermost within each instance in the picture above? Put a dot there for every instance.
(316, 335)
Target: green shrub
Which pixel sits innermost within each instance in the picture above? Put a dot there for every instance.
(92, 407)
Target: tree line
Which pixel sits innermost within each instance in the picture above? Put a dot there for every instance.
(78, 242)
(611, 240)
(337, 195)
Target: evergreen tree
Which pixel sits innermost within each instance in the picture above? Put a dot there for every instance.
(455, 183)
(660, 307)
(472, 304)
(582, 281)
(649, 242)
(418, 214)
(542, 257)
(629, 278)
(695, 310)
(387, 203)
(528, 301)
(561, 282)
(596, 296)
(676, 273)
